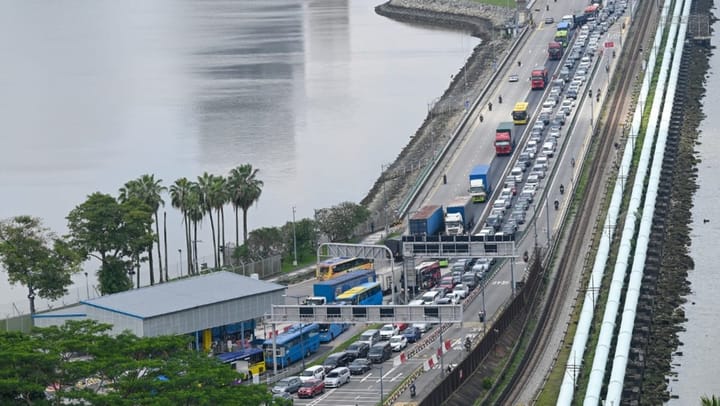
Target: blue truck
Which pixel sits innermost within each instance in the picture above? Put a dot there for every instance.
(458, 216)
(480, 183)
(427, 221)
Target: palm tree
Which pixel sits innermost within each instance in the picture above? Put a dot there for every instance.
(195, 215)
(127, 192)
(209, 196)
(710, 401)
(149, 190)
(245, 189)
(180, 198)
(218, 199)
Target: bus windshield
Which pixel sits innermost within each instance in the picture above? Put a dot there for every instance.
(519, 114)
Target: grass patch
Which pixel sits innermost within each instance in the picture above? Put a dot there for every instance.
(501, 3)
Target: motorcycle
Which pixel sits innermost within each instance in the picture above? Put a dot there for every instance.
(562, 189)
(412, 390)
(557, 205)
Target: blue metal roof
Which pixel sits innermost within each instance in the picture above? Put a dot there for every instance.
(182, 294)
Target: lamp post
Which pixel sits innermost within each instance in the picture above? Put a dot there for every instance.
(302, 328)
(180, 258)
(294, 240)
(381, 384)
(87, 286)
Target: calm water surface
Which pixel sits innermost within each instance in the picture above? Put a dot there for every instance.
(698, 368)
(316, 94)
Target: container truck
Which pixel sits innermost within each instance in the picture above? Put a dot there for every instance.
(480, 187)
(458, 216)
(504, 141)
(539, 78)
(427, 221)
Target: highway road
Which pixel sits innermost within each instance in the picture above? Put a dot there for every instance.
(475, 147)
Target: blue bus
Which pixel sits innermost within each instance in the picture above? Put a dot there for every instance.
(297, 343)
(330, 288)
(328, 331)
(366, 294)
(248, 361)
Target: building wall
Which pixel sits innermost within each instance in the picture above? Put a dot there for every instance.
(215, 315)
(119, 321)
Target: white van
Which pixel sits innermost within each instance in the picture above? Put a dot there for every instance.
(431, 297)
(370, 336)
(517, 173)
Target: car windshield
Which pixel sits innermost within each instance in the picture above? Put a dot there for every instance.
(387, 328)
(332, 375)
(308, 373)
(308, 384)
(395, 339)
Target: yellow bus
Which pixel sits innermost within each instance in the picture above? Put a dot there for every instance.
(333, 267)
(247, 362)
(520, 113)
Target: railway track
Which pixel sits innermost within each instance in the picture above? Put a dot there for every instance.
(582, 223)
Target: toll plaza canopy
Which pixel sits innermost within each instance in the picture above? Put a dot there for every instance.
(177, 307)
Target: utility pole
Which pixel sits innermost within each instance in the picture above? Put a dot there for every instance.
(294, 240)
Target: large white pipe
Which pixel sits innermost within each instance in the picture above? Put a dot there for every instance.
(607, 328)
(617, 375)
(577, 351)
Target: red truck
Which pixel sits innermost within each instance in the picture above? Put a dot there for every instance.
(504, 142)
(538, 78)
(555, 51)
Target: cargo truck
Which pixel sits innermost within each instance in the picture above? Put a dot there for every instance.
(538, 78)
(555, 51)
(427, 221)
(480, 187)
(458, 216)
(504, 141)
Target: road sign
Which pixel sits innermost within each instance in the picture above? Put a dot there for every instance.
(609, 44)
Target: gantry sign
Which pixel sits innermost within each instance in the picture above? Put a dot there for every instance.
(365, 314)
(459, 246)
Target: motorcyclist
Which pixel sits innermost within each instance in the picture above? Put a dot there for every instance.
(468, 343)
(562, 189)
(412, 389)
(500, 99)
(557, 204)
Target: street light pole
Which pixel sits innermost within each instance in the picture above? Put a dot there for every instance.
(180, 258)
(381, 384)
(87, 286)
(294, 241)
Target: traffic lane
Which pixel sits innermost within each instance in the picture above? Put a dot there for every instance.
(477, 146)
(365, 389)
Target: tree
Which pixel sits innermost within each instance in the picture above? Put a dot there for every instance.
(306, 239)
(116, 234)
(710, 401)
(88, 366)
(181, 199)
(36, 258)
(244, 189)
(148, 190)
(338, 223)
(205, 184)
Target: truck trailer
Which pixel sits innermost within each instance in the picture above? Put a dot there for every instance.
(480, 186)
(504, 141)
(458, 216)
(427, 221)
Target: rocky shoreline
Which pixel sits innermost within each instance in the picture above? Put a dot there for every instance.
(443, 117)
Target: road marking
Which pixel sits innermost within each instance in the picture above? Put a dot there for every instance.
(504, 282)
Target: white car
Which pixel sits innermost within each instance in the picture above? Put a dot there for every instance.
(314, 372)
(388, 331)
(337, 377)
(423, 327)
(398, 342)
(461, 290)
